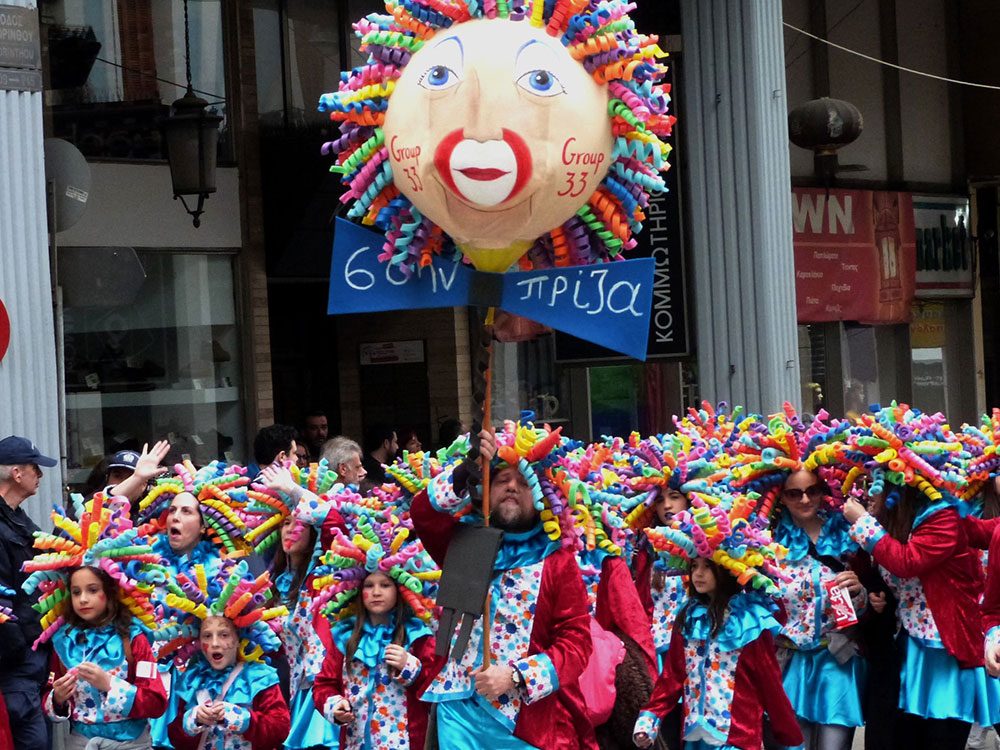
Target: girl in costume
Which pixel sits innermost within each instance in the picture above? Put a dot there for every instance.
(228, 698)
(195, 518)
(798, 476)
(299, 546)
(721, 656)
(381, 651)
(95, 579)
(914, 532)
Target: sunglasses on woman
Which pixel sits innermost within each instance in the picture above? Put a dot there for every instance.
(793, 494)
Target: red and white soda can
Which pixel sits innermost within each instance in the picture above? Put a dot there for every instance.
(843, 608)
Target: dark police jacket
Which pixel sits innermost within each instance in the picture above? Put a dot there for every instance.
(20, 667)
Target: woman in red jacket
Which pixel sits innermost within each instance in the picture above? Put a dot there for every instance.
(914, 533)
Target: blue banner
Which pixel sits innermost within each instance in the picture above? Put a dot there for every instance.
(608, 304)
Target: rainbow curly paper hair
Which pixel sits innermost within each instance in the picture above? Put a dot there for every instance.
(234, 594)
(765, 453)
(103, 538)
(599, 34)
(381, 543)
(536, 453)
(221, 492)
(267, 509)
(724, 530)
(899, 446)
(981, 444)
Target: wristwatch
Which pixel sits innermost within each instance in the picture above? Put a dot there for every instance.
(517, 678)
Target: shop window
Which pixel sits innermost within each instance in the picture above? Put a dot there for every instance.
(526, 377)
(115, 66)
(151, 351)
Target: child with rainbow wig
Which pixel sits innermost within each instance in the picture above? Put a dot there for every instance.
(195, 517)
(915, 470)
(300, 539)
(721, 658)
(228, 696)
(798, 472)
(95, 578)
(380, 654)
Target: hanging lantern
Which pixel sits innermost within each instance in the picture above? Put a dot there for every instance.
(191, 136)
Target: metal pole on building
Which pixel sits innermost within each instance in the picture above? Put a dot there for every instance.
(739, 206)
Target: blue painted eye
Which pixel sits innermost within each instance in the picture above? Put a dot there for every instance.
(541, 83)
(439, 78)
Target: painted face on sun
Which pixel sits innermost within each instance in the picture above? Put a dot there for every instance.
(496, 133)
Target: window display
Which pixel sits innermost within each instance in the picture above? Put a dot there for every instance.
(165, 365)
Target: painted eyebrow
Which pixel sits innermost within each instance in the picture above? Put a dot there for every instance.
(527, 44)
(456, 40)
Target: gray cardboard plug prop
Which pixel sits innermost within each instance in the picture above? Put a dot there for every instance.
(465, 581)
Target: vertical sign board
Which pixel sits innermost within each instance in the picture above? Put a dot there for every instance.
(854, 255)
(20, 49)
(944, 247)
(662, 240)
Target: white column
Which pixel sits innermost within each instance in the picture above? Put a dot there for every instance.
(29, 403)
(739, 205)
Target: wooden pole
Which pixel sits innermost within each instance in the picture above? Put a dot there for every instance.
(487, 425)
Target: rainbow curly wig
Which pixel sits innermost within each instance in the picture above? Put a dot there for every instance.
(221, 492)
(725, 530)
(234, 594)
(381, 543)
(103, 538)
(599, 34)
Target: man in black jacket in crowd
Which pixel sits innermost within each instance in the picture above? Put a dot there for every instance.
(23, 672)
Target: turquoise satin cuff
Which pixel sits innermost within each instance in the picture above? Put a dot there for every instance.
(867, 532)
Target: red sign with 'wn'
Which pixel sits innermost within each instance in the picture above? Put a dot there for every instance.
(855, 255)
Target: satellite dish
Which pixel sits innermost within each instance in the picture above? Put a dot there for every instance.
(100, 276)
(69, 172)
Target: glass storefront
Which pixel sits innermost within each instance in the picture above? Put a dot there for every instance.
(152, 351)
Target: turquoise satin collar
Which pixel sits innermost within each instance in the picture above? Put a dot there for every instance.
(834, 538)
(205, 553)
(253, 678)
(930, 509)
(374, 638)
(524, 548)
(103, 646)
(748, 616)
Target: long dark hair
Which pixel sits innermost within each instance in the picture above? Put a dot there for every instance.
(401, 612)
(991, 501)
(282, 562)
(898, 520)
(116, 614)
(726, 587)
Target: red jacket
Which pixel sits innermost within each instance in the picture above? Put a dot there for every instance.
(757, 690)
(268, 729)
(560, 629)
(938, 553)
(330, 683)
(620, 611)
(991, 597)
(642, 575)
(6, 738)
